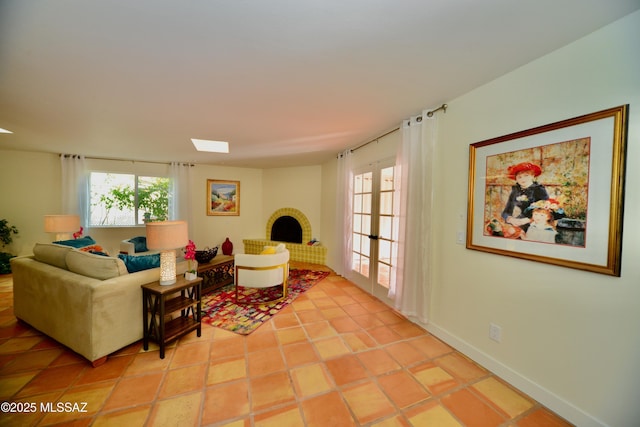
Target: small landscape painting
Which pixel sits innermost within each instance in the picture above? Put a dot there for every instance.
(223, 197)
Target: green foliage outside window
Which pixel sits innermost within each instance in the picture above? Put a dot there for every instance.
(116, 200)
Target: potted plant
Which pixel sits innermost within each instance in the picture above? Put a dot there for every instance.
(6, 232)
(190, 256)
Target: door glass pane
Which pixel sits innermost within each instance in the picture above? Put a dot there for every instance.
(366, 203)
(386, 203)
(384, 251)
(357, 184)
(366, 224)
(357, 222)
(364, 266)
(365, 246)
(355, 262)
(385, 227)
(386, 179)
(356, 242)
(367, 182)
(357, 203)
(384, 274)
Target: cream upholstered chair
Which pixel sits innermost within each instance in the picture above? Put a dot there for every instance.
(136, 246)
(271, 268)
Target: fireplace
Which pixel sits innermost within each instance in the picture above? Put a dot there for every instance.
(292, 227)
(286, 229)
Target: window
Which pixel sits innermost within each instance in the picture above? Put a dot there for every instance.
(119, 199)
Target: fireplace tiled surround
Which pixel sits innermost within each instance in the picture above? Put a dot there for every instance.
(298, 251)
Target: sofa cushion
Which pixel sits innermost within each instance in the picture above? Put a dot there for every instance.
(77, 243)
(140, 262)
(52, 254)
(139, 244)
(95, 266)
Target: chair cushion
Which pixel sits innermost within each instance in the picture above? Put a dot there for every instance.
(270, 250)
(139, 243)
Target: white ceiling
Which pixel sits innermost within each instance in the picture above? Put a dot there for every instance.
(286, 82)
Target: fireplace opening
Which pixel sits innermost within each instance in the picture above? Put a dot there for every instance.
(286, 229)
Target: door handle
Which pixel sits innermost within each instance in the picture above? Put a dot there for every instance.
(373, 237)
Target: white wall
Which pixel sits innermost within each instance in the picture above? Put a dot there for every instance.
(212, 230)
(570, 338)
(30, 190)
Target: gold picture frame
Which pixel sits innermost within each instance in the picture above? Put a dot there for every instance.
(223, 197)
(552, 194)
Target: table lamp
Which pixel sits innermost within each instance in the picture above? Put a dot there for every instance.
(62, 225)
(167, 236)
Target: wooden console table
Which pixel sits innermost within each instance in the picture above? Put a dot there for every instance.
(216, 273)
(159, 301)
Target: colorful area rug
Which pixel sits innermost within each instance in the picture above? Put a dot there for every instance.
(219, 308)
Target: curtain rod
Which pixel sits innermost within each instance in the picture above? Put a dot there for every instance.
(373, 140)
(116, 159)
(443, 107)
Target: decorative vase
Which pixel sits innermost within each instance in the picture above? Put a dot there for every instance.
(227, 247)
(190, 276)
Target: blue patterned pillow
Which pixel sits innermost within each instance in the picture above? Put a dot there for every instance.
(77, 243)
(140, 262)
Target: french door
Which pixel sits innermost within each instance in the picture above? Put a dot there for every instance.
(375, 247)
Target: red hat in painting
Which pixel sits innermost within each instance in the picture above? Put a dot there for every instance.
(524, 166)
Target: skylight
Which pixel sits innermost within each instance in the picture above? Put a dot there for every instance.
(211, 146)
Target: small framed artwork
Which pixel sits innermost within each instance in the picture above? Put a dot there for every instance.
(552, 194)
(223, 197)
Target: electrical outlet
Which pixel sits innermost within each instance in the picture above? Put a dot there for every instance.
(495, 332)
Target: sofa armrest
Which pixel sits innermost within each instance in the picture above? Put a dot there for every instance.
(126, 247)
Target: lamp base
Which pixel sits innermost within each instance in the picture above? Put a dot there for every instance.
(167, 282)
(167, 268)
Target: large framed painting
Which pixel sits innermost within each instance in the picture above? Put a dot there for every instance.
(223, 197)
(552, 194)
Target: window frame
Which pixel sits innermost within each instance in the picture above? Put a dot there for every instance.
(137, 220)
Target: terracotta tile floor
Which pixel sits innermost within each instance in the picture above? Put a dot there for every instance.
(335, 357)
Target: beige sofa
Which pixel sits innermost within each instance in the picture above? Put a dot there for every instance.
(88, 302)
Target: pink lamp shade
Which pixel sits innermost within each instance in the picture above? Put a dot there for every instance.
(62, 225)
(167, 236)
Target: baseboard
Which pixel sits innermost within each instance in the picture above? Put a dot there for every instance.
(545, 397)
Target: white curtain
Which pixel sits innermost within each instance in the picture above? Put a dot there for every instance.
(344, 193)
(180, 192)
(412, 286)
(75, 188)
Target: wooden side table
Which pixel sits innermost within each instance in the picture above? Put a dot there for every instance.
(158, 301)
(216, 273)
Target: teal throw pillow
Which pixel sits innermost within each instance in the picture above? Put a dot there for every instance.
(77, 243)
(139, 244)
(140, 262)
